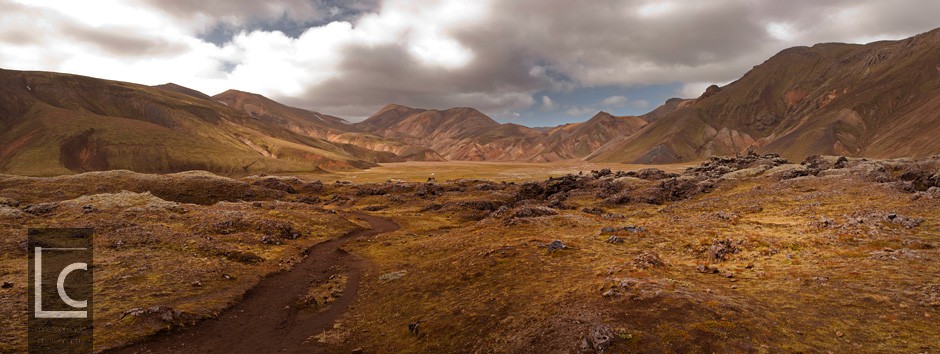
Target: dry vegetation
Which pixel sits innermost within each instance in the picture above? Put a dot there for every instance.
(739, 254)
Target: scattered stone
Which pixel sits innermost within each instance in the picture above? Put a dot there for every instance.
(647, 260)
(227, 277)
(789, 171)
(88, 208)
(905, 221)
(357, 351)
(40, 209)
(652, 174)
(374, 207)
(481, 205)
(413, 327)
(271, 240)
(533, 211)
(729, 275)
(275, 184)
(602, 173)
(593, 210)
(7, 202)
(719, 250)
(503, 210)
(823, 223)
(632, 229)
(164, 314)
(387, 277)
(840, 334)
(6, 285)
(429, 189)
(890, 254)
(717, 166)
(558, 204)
(613, 239)
(726, 216)
(599, 338)
(619, 199)
(608, 229)
(196, 284)
(556, 245)
(820, 162)
(701, 268)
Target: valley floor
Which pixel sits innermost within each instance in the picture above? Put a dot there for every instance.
(746, 254)
(420, 171)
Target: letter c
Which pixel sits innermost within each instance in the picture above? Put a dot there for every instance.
(60, 285)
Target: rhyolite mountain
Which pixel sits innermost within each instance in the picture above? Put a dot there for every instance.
(456, 133)
(53, 123)
(876, 100)
(323, 126)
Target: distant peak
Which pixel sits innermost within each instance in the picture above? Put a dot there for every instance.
(602, 115)
(396, 106)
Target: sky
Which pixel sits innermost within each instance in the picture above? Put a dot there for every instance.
(531, 62)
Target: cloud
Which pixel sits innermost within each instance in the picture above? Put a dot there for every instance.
(351, 57)
(580, 111)
(615, 101)
(547, 104)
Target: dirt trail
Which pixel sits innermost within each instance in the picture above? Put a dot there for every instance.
(267, 320)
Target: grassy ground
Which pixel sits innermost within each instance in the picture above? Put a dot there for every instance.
(196, 259)
(840, 262)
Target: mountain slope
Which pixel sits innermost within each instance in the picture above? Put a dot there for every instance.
(455, 134)
(54, 123)
(336, 130)
(577, 140)
(878, 100)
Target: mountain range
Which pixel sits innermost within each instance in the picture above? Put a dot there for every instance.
(876, 100)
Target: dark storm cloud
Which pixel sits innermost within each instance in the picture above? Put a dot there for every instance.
(389, 74)
(607, 43)
(117, 41)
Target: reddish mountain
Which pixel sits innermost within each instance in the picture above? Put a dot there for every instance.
(323, 126)
(878, 100)
(455, 134)
(577, 140)
(54, 123)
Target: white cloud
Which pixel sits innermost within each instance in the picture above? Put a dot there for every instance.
(579, 111)
(640, 104)
(781, 31)
(615, 101)
(547, 104)
(655, 8)
(693, 89)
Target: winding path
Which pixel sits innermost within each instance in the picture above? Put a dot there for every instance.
(266, 321)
